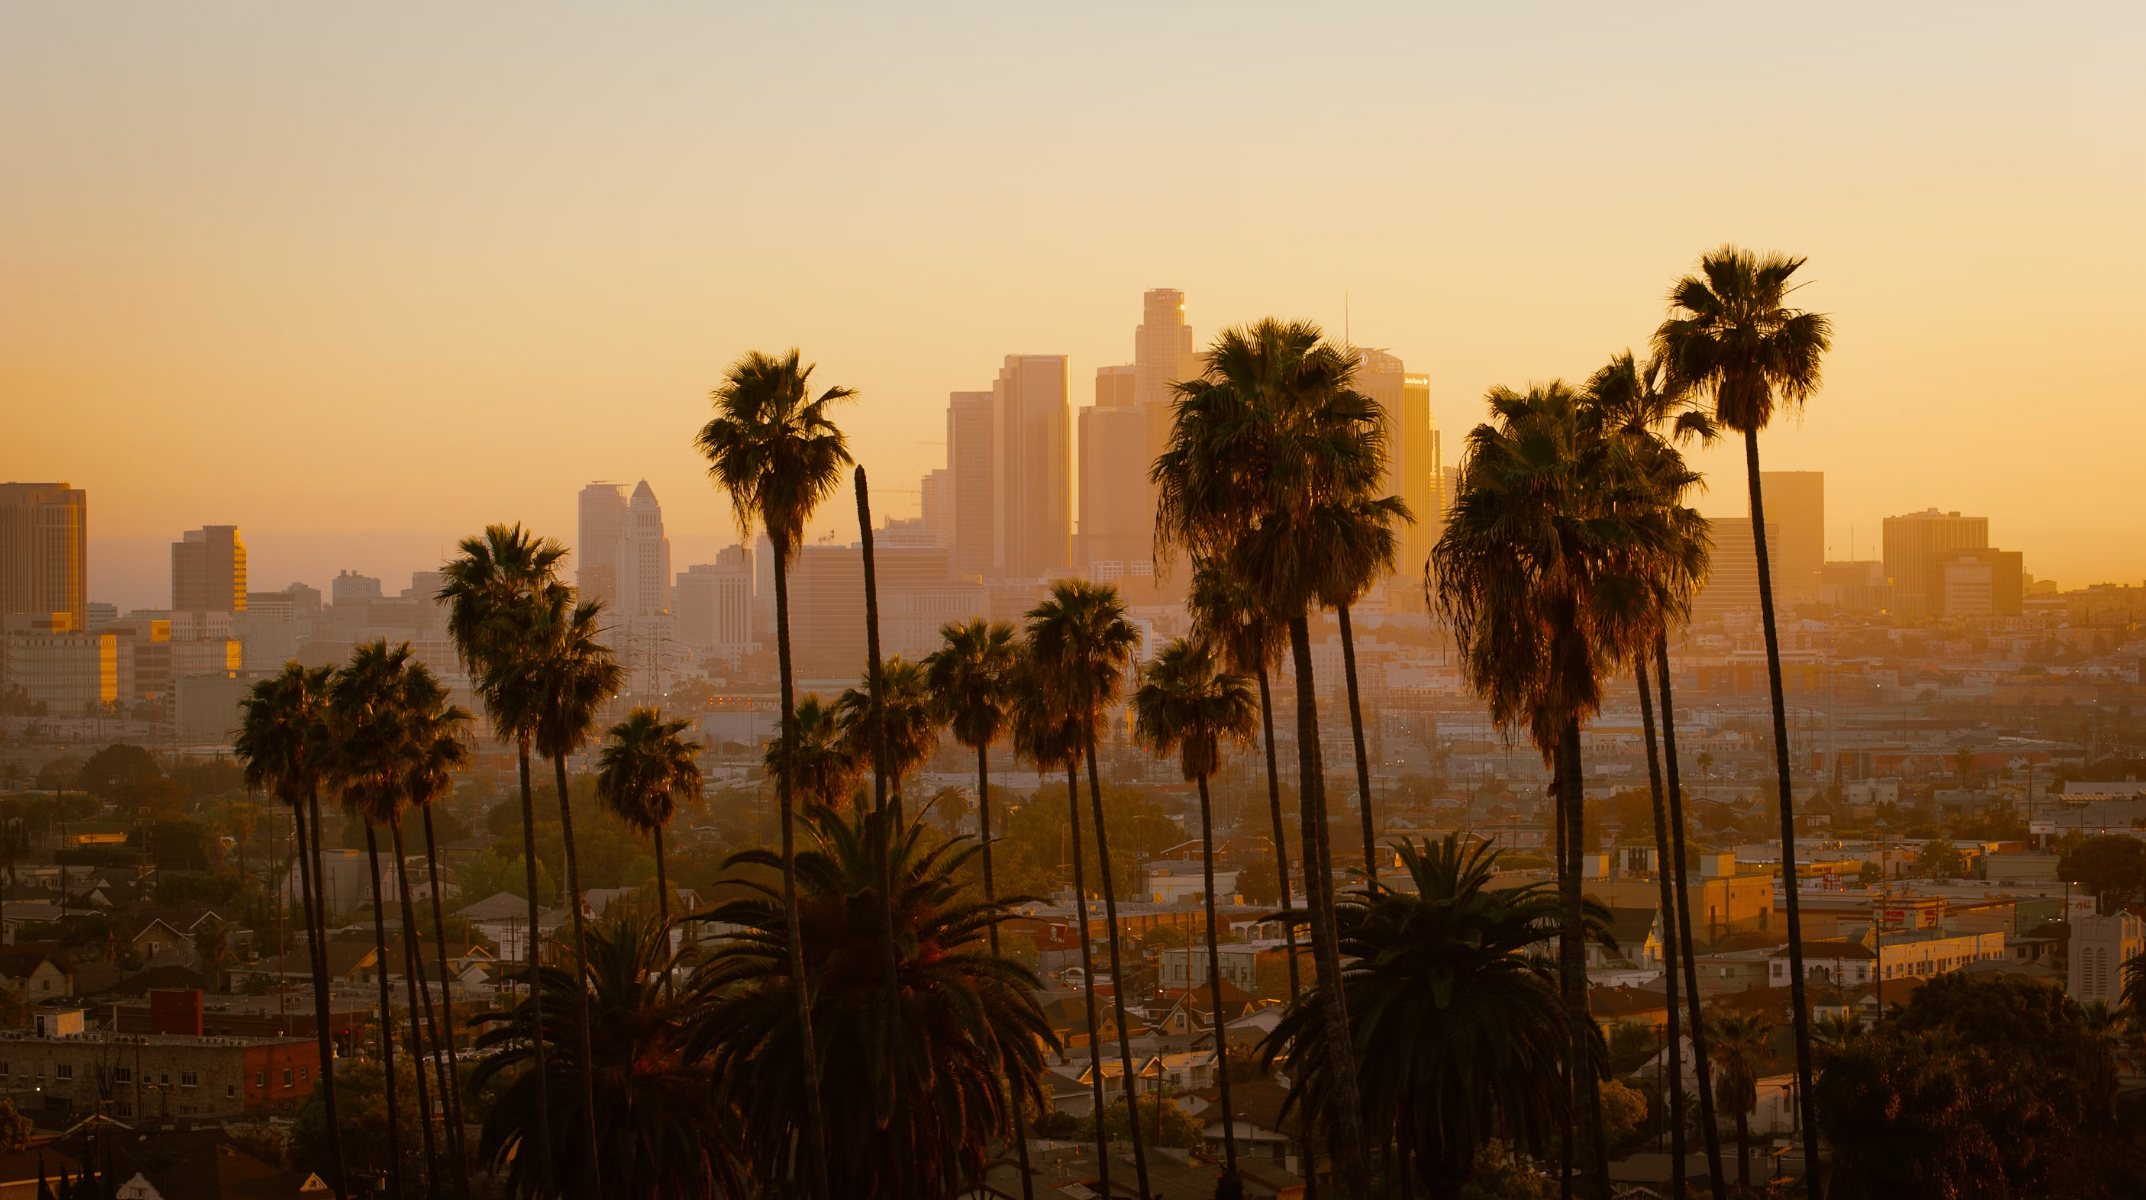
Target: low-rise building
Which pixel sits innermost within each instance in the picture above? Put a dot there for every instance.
(2100, 946)
(155, 1075)
(1186, 966)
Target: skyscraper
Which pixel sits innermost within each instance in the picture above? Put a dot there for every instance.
(1414, 471)
(1031, 475)
(1913, 544)
(1733, 584)
(1162, 346)
(936, 505)
(1117, 503)
(208, 570)
(715, 603)
(44, 550)
(1796, 501)
(970, 452)
(641, 559)
(603, 516)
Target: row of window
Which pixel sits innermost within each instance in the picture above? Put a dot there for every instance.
(119, 1074)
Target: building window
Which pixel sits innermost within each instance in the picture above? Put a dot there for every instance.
(65, 1071)
(126, 1107)
(286, 1077)
(260, 1079)
(230, 1091)
(304, 1073)
(164, 1078)
(123, 1074)
(189, 1079)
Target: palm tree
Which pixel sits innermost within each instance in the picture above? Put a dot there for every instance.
(1186, 706)
(779, 455)
(1365, 548)
(282, 740)
(1080, 645)
(1739, 1040)
(664, 1133)
(1730, 337)
(915, 1113)
(643, 775)
(911, 724)
(492, 589)
(557, 681)
(1545, 571)
(1050, 736)
(1270, 450)
(437, 749)
(1224, 615)
(1635, 407)
(970, 681)
(1456, 1020)
(816, 760)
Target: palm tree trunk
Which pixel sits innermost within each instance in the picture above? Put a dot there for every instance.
(1572, 946)
(1702, 1065)
(536, 993)
(317, 963)
(1281, 838)
(1363, 760)
(983, 829)
(1743, 1154)
(451, 1081)
(1118, 981)
(387, 1010)
(413, 957)
(814, 1150)
(1214, 980)
(581, 975)
(1346, 1119)
(1087, 980)
(1799, 1006)
(1679, 1187)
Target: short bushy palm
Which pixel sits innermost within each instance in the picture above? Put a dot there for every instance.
(1738, 1042)
(645, 773)
(663, 1132)
(912, 724)
(819, 763)
(915, 1114)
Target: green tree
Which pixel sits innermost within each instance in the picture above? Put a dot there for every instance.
(914, 1113)
(1271, 453)
(283, 742)
(1168, 1125)
(368, 1108)
(644, 773)
(777, 452)
(2112, 866)
(491, 589)
(1738, 1041)
(1458, 1024)
(1079, 647)
(1731, 338)
(1940, 859)
(662, 1129)
(490, 873)
(1185, 706)
(120, 772)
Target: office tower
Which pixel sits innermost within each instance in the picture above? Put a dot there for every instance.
(969, 455)
(936, 492)
(916, 598)
(1980, 582)
(1032, 477)
(1796, 501)
(44, 550)
(602, 511)
(349, 587)
(1912, 545)
(715, 603)
(641, 560)
(1413, 466)
(208, 570)
(1162, 347)
(1117, 502)
(1733, 584)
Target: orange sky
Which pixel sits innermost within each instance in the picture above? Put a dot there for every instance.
(388, 275)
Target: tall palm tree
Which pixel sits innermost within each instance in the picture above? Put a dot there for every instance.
(816, 760)
(437, 749)
(1049, 735)
(1365, 549)
(1186, 706)
(1080, 645)
(1649, 420)
(492, 590)
(1456, 1020)
(1739, 1039)
(1545, 571)
(558, 680)
(911, 723)
(1731, 338)
(643, 775)
(914, 1114)
(777, 452)
(1269, 449)
(969, 681)
(282, 739)
(665, 1133)
(1223, 613)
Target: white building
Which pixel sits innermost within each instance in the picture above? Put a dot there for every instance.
(2100, 946)
(714, 604)
(1187, 967)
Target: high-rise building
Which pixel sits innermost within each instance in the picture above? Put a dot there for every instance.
(970, 453)
(1912, 545)
(1117, 503)
(1977, 583)
(916, 598)
(1032, 473)
(44, 550)
(602, 512)
(715, 603)
(1414, 466)
(1733, 583)
(1796, 502)
(641, 560)
(1162, 347)
(208, 570)
(936, 492)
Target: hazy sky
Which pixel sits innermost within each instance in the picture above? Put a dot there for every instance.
(389, 272)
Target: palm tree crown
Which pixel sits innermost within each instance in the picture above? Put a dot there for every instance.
(773, 447)
(970, 678)
(1186, 706)
(648, 769)
(820, 765)
(1731, 336)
